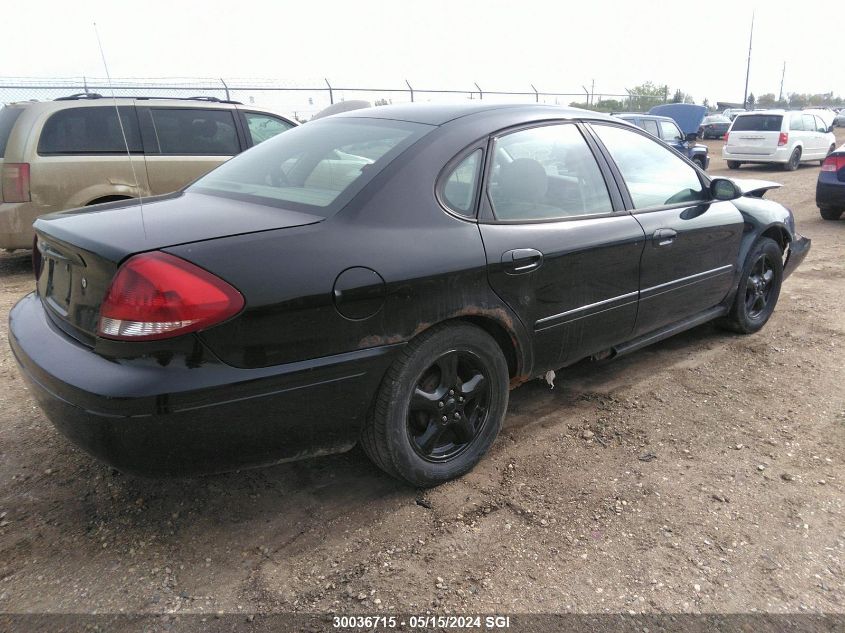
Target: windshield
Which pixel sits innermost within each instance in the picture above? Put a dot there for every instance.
(316, 168)
(757, 123)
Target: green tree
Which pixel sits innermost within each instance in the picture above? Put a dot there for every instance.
(767, 100)
(749, 102)
(647, 95)
(679, 96)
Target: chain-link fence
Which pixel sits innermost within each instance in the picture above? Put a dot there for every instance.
(300, 100)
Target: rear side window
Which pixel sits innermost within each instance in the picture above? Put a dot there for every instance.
(195, 132)
(796, 123)
(546, 172)
(93, 130)
(757, 123)
(8, 116)
(460, 187)
(650, 126)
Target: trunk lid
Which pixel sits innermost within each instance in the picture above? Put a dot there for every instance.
(81, 250)
(755, 134)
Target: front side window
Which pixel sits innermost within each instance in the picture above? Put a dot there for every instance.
(263, 126)
(92, 130)
(461, 184)
(315, 168)
(545, 173)
(655, 175)
(670, 132)
(821, 126)
(192, 132)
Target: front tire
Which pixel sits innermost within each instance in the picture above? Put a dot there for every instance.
(734, 164)
(830, 214)
(699, 161)
(440, 406)
(794, 160)
(758, 290)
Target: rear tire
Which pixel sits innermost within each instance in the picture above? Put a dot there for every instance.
(758, 290)
(794, 160)
(452, 371)
(734, 164)
(830, 214)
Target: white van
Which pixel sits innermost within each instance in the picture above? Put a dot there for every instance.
(777, 136)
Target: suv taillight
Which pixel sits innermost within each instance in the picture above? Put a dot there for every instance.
(783, 139)
(15, 182)
(156, 295)
(834, 163)
(726, 137)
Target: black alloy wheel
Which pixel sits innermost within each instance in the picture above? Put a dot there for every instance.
(758, 290)
(449, 406)
(794, 160)
(440, 405)
(759, 286)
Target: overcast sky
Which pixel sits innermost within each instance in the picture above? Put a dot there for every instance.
(699, 47)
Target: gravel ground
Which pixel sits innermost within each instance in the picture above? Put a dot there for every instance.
(701, 475)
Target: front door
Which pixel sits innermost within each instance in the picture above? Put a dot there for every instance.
(561, 250)
(692, 242)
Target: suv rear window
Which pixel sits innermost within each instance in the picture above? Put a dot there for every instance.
(757, 123)
(90, 131)
(315, 168)
(8, 116)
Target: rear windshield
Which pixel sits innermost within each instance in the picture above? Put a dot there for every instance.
(8, 116)
(316, 168)
(757, 123)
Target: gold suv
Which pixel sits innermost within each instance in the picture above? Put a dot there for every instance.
(71, 152)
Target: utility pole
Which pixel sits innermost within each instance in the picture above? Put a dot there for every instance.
(783, 74)
(748, 67)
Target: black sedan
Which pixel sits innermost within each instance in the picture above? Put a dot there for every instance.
(383, 276)
(830, 187)
(714, 126)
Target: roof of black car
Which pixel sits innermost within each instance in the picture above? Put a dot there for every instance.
(438, 114)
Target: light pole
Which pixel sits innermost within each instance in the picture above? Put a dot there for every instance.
(748, 67)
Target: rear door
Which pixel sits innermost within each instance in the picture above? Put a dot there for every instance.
(692, 243)
(182, 144)
(561, 250)
(755, 134)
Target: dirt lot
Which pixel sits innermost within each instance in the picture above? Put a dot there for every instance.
(704, 474)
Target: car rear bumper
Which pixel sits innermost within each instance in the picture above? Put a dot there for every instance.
(16, 220)
(153, 419)
(798, 249)
(830, 195)
(780, 155)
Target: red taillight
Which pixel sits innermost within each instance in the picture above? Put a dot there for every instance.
(15, 182)
(156, 295)
(726, 137)
(783, 139)
(834, 163)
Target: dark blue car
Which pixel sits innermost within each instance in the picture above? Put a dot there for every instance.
(665, 128)
(830, 189)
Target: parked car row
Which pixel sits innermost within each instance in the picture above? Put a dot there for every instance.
(72, 152)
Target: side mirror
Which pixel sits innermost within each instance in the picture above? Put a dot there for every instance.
(724, 189)
(692, 136)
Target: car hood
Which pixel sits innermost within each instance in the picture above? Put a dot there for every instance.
(754, 188)
(687, 115)
(118, 229)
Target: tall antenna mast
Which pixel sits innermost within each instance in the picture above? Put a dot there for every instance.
(748, 67)
(783, 74)
(122, 130)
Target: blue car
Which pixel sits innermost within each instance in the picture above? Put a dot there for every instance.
(665, 128)
(830, 189)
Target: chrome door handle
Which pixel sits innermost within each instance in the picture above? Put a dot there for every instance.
(521, 260)
(664, 237)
